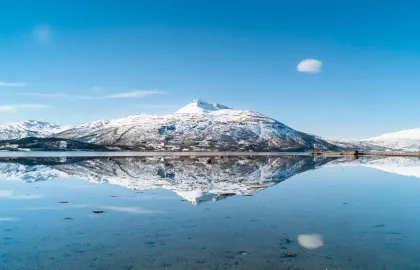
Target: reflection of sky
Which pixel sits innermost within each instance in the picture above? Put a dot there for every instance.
(366, 218)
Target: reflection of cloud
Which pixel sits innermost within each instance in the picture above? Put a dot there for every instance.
(9, 219)
(8, 194)
(36, 208)
(26, 197)
(311, 241)
(150, 197)
(131, 210)
(5, 193)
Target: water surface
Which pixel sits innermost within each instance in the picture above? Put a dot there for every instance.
(201, 213)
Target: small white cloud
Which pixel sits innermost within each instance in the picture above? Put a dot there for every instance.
(311, 241)
(135, 94)
(309, 66)
(43, 33)
(131, 210)
(97, 89)
(13, 108)
(12, 84)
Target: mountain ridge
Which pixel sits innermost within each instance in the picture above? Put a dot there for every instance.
(28, 128)
(203, 126)
(199, 126)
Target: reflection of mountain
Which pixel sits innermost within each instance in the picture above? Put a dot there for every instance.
(195, 179)
(398, 165)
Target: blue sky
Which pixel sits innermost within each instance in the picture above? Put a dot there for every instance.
(79, 61)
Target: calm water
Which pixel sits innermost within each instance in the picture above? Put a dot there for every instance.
(185, 213)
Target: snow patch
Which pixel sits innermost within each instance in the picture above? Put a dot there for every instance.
(199, 106)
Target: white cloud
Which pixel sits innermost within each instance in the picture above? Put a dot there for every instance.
(43, 33)
(12, 84)
(311, 241)
(309, 66)
(58, 95)
(13, 108)
(135, 94)
(131, 94)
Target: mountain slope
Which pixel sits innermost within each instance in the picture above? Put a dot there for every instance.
(29, 128)
(407, 140)
(197, 126)
(401, 141)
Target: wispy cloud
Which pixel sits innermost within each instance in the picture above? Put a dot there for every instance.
(130, 94)
(7, 109)
(309, 66)
(43, 33)
(135, 94)
(158, 106)
(12, 84)
(13, 108)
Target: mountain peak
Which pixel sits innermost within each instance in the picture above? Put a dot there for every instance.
(28, 128)
(199, 106)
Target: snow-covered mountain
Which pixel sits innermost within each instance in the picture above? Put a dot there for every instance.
(194, 179)
(407, 140)
(29, 128)
(197, 126)
(401, 141)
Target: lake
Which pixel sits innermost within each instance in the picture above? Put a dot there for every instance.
(292, 212)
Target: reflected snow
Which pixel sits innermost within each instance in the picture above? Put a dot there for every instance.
(291, 212)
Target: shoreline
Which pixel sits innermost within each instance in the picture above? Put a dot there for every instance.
(81, 154)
